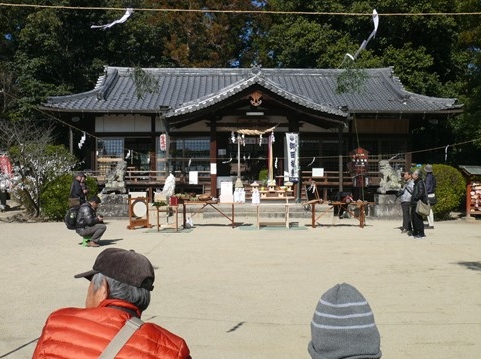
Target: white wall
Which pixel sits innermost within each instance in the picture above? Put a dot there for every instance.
(125, 123)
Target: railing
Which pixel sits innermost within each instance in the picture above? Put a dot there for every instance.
(152, 181)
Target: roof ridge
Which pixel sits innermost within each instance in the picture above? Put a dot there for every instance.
(254, 78)
(110, 79)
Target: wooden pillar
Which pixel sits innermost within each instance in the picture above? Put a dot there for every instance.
(341, 170)
(153, 147)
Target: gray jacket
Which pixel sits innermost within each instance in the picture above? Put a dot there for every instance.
(407, 191)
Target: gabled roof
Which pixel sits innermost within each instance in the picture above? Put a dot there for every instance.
(471, 170)
(181, 91)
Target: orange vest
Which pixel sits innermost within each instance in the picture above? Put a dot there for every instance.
(84, 333)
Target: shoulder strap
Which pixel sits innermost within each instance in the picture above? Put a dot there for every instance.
(121, 338)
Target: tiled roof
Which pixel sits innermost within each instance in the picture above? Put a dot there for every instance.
(471, 170)
(183, 90)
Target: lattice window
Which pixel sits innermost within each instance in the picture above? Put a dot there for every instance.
(110, 147)
(193, 150)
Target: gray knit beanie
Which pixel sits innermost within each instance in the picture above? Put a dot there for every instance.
(343, 326)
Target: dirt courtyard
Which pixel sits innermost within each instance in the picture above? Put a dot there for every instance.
(250, 294)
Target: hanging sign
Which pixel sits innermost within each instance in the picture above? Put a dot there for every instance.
(292, 147)
(163, 142)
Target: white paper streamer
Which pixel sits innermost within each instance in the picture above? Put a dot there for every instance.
(123, 19)
(82, 140)
(375, 19)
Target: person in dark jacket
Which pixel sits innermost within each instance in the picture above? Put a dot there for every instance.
(120, 288)
(419, 194)
(78, 188)
(89, 224)
(430, 181)
(345, 198)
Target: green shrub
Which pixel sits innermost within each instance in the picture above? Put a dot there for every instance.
(20, 193)
(54, 198)
(263, 176)
(450, 190)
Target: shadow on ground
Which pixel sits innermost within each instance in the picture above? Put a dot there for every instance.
(471, 265)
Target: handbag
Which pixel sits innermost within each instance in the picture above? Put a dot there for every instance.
(423, 209)
(73, 202)
(432, 199)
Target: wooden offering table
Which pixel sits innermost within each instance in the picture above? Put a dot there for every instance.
(167, 210)
(348, 207)
(203, 204)
(285, 222)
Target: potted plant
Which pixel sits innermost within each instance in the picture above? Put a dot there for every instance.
(263, 176)
(159, 204)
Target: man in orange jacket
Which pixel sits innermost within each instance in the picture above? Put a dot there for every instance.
(120, 286)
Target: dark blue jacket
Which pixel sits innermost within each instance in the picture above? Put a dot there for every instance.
(430, 181)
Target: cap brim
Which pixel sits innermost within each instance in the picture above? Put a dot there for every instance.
(87, 275)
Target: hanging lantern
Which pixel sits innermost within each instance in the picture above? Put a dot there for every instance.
(163, 142)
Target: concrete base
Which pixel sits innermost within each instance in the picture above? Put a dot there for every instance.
(387, 206)
(114, 205)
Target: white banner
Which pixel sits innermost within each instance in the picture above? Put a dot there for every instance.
(292, 156)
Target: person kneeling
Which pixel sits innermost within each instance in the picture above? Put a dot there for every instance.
(89, 224)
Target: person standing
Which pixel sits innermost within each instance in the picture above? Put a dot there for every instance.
(120, 285)
(78, 188)
(4, 184)
(405, 197)
(430, 182)
(419, 194)
(89, 224)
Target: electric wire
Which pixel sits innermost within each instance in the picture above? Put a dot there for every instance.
(261, 11)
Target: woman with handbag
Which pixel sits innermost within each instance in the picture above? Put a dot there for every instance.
(419, 194)
(78, 190)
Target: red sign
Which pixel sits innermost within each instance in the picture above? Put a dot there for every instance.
(163, 142)
(5, 166)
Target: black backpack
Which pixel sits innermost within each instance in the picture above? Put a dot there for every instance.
(71, 218)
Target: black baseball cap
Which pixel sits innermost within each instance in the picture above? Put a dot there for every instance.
(125, 266)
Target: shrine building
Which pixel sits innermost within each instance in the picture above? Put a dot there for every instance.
(216, 123)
